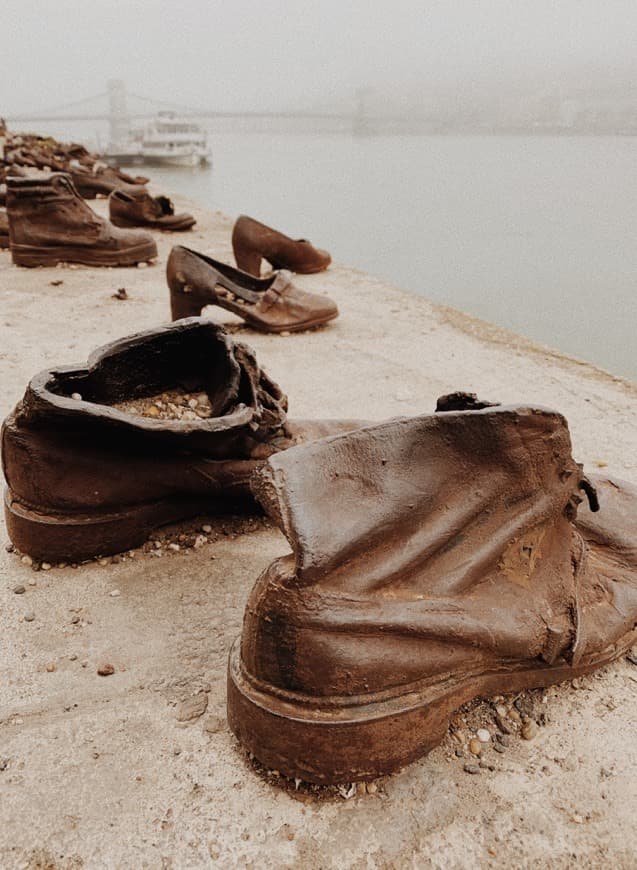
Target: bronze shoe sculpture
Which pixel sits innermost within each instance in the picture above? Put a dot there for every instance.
(49, 223)
(253, 241)
(434, 560)
(101, 180)
(4, 229)
(93, 464)
(139, 209)
(272, 304)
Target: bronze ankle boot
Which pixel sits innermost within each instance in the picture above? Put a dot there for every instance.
(253, 241)
(160, 426)
(434, 560)
(49, 223)
(140, 209)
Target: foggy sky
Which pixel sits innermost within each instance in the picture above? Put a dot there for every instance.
(245, 54)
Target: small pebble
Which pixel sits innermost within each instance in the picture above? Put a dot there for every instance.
(73, 657)
(105, 670)
(29, 617)
(26, 560)
(115, 593)
(102, 562)
(471, 768)
(502, 739)
(499, 747)
(46, 566)
(483, 735)
(206, 529)
(475, 747)
(50, 667)
(76, 396)
(372, 788)
(503, 725)
(19, 590)
(75, 620)
(529, 730)
(192, 708)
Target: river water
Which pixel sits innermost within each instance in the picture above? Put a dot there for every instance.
(537, 234)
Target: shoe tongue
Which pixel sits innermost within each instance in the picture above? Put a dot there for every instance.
(165, 205)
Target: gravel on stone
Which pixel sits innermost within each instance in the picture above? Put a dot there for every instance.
(170, 405)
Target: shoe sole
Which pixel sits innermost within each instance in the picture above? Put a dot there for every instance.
(77, 537)
(164, 228)
(31, 256)
(330, 741)
(192, 304)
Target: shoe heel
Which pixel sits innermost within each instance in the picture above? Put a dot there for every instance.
(184, 304)
(248, 261)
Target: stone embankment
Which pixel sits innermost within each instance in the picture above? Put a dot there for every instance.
(114, 750)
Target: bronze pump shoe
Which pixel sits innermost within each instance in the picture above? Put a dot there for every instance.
(253, 241)
(49, 223)
(88, 475)
(140, 209)
(434, 560)
(272, 304)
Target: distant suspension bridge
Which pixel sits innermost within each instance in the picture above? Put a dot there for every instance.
(122, 108)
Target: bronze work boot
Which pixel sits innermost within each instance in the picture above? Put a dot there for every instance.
(4, 229)
(140, 209)
(253, 241)
(49, 223)
(160, 426)
(434, 560)
(272, 304)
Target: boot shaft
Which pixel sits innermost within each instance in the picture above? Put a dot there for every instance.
(49, 210)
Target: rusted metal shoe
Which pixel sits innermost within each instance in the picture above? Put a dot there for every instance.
(49, 223)
(253, 241)
(273, 304)
(4, 229)
(97, 179)
(140, 209)
(434, 560)
(90, 474)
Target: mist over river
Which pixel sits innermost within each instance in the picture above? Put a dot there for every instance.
(534, 233)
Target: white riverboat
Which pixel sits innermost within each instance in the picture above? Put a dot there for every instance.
(167, 140)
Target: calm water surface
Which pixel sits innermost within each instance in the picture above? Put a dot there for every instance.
(535, 234)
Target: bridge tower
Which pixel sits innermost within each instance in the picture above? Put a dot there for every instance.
(118, 119)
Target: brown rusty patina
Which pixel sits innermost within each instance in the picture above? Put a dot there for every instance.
(137, 208)
(253, 242)
(273, 304)
(49, 223)
(434, 560)
(85, 478)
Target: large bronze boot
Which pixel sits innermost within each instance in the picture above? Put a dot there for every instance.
(94, 458)
(434, 560)
(49, 223)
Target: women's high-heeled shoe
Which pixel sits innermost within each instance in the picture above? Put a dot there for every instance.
(253, 241)
(271, 304)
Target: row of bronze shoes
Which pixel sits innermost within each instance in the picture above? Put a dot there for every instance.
(47, 222)
(433, 559)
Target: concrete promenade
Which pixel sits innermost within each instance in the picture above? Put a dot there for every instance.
(98, 772)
